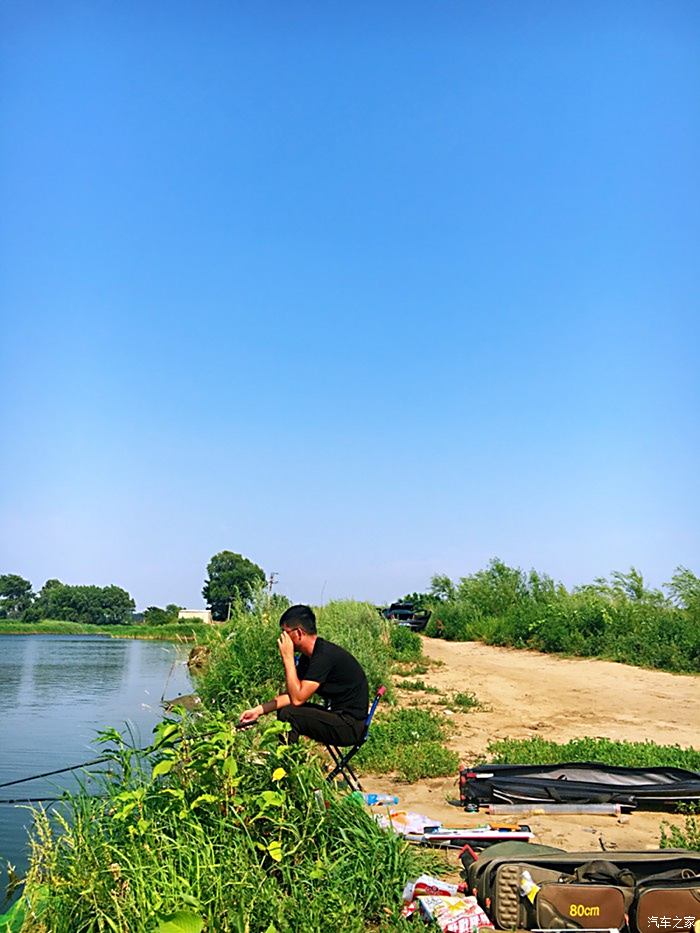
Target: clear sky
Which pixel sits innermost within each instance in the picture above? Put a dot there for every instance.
(364, 291)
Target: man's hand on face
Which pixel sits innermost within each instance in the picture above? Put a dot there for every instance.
(286, 646)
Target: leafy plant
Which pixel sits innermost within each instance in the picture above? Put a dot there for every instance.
(465, 700)
(673, 837)
(213, 829)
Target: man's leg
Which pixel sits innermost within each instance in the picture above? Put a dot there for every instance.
(320, 724)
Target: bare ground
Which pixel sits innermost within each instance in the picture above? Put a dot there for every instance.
(525, 693)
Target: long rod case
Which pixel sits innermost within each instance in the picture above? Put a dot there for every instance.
(578, 782)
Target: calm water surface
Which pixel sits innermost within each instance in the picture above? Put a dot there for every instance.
(56, 693)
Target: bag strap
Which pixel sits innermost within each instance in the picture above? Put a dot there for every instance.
(601, 871)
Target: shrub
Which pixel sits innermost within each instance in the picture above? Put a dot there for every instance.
(229, 831)
(621, 620)
(405, 644)
(673, 837)
(539, 751)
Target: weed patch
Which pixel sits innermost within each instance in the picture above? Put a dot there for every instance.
(539, 751)
(465, 701)
(410, 743)
(673, 837)
(416, 685)
(226, 831)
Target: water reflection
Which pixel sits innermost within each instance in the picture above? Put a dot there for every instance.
(56, 692)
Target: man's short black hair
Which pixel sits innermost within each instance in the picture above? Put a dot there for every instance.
(299, 617)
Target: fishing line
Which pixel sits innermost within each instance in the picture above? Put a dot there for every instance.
(239, 727)
(85, 764)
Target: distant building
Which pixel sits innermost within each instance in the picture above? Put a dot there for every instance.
(189, 615)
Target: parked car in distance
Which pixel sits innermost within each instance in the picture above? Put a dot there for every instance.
(408, 615)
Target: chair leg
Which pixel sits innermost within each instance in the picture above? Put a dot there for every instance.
(343, 766)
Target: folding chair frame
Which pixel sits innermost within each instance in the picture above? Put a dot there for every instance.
(342, 759)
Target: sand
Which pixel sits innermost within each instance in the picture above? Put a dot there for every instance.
(524, 694)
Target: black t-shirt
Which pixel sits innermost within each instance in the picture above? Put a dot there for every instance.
(343, 684)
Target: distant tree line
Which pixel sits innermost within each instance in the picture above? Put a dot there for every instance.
(96, 605)
(232, 582)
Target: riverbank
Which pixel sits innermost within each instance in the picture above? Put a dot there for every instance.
(184, 631)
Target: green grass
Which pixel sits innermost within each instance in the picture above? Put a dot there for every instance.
(465, 701)
(538, 751)
(186, 631)
(416, 685)
(685, 837)
(227, 831)
(619, 620)
(245, 667)
(408, 742)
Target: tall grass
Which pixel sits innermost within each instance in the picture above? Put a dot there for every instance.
(620, 620)
(245, 667)
(408, 742)
(216, 831)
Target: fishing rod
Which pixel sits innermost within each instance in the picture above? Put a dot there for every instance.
(239, 727)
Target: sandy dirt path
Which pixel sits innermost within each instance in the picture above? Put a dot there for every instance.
(524, 694)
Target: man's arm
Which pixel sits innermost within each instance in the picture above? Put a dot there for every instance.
(298, 691)
(262, 709)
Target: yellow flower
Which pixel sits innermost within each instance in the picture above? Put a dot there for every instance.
(278, 774)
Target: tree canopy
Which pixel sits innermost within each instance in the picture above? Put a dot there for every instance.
(231, 578)
(97, 605)
(154, 615)
(15, 595)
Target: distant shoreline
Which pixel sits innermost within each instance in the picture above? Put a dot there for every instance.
(188, 632)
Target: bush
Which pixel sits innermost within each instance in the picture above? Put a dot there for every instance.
(405, 644)
(231, 831)
(673, 837)
(620, 620)
(245, 666)
(537, 751)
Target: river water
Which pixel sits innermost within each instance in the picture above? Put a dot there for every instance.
(56, 693)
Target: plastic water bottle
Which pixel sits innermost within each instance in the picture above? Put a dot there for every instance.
(373, 800)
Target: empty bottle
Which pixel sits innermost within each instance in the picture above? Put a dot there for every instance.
(375, 799)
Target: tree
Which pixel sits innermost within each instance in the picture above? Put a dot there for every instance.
(15, 595)
(441, 587)
(97, 605)
(685, 589)
(232, 578)
(154, 615)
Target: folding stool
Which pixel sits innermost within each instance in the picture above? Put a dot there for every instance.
(342, 759)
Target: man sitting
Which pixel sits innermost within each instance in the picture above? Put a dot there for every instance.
(325, 669)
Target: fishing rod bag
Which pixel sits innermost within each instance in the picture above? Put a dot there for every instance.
(577, 890)
(578, 783)
(667, 903)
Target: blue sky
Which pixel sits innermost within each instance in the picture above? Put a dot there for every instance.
(363, 291)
